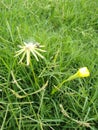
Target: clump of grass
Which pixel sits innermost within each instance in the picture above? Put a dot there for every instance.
(68, 30)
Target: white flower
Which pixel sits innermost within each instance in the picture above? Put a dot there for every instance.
(28, 48)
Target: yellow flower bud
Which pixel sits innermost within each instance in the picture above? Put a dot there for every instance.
(83, 72)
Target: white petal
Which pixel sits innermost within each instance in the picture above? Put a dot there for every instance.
(42, 46)
(40, 50)
(19, 52)
(22, 57)
(28, 57)
(39, 54)
(25, 43)
(20, 46)
(34, 55)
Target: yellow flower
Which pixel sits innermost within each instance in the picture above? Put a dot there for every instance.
(83, 72)
(28, 48)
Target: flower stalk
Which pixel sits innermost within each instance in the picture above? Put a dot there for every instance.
(82, 72)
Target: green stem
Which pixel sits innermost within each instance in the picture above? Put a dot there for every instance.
(35, 79)
(66, 80)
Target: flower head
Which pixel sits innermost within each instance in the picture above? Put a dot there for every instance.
(83, 72)
(27, 48)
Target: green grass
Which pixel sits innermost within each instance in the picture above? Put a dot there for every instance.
(69, 31)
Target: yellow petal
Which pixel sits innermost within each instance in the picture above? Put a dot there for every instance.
(83, 72)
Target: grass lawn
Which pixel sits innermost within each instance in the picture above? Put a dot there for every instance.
(69, 31)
